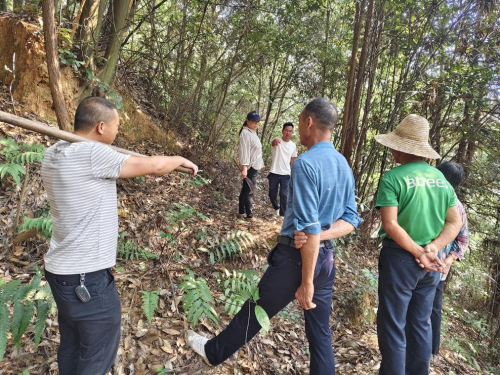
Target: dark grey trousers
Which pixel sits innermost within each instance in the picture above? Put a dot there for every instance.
(90, 332)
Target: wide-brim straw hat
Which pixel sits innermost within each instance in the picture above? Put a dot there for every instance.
(411, 136)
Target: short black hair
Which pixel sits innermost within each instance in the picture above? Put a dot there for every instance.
(91, 111)
(323, 111)
(453, 172)
(287, 124)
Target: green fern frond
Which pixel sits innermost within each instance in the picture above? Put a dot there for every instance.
(28, 157)
(28, 313)
(10, 147)
(43, 225)
(17, 318)
(42, 310)
(4, 328)
(149, 303)
(197, 300)
(13, 169)
(8, 290)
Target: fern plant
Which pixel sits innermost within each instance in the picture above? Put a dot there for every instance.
(23, 300)
(227, 247)
(238, 287)
(43, 225)
(127, 250)
(197, 300)
(15, 156)
(149, 303)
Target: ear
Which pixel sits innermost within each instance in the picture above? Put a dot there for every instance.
(100, 128)
(310, 123)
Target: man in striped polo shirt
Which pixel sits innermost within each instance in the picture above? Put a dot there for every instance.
(80, 180)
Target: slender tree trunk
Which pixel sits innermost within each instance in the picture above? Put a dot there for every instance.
(50, 36)
(3, 5)
(121, 10)
(352, 74)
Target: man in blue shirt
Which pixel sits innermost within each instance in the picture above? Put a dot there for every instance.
(321, 207)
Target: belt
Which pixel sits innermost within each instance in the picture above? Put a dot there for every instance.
(289, 241)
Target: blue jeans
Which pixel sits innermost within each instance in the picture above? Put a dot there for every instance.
(278, 182)
(277, 289)
(436, 317)
(90, 331)
(406, 294)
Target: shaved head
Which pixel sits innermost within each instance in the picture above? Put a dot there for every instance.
(91, 111)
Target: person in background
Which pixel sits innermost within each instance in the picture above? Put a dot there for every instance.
(419, 217)
(454, 174)
(80, 180)
(322, 206)
(250, 152)
(284, 153)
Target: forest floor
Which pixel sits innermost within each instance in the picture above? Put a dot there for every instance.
(148, 207)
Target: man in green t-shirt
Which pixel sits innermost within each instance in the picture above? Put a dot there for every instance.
(419, 217)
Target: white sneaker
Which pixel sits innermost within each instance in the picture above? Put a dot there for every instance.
(197, 343)
(277, 212)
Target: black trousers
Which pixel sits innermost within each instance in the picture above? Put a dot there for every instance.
(276, 290)
(246, 196)
(90, 331)
(278, 182)
(436, 317)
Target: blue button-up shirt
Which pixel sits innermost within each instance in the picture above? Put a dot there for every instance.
(321, 191)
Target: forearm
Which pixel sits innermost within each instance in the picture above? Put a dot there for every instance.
(165, 164)
(340, 228)
(309, 252)
(448, 234)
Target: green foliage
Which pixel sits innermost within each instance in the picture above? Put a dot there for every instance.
(222, 248)
(194, 182)
(197, 300)
(15, 156)
(43, 225)
(163, 370)
(22, 299)
(67, 57)
(127, 250)
(149, 303)
(238, 287)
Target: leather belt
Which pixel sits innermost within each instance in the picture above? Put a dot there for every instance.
(289, 241)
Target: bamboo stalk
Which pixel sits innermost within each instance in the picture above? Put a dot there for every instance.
(38, 127)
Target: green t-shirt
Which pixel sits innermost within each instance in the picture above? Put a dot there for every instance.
(422, 195)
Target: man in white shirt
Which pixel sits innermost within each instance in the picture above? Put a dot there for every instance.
(284, 153)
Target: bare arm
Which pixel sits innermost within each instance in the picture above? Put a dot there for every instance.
(292, 159)
(309, 252)
(452, 225)
(397, 233)
(136, 166)
(340, 228)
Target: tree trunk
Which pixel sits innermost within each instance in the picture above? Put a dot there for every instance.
(50, 36)
(352, 73)
(89, 28)
(3, 5)
(121, 9)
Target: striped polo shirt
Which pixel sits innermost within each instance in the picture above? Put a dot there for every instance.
(80, 180)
